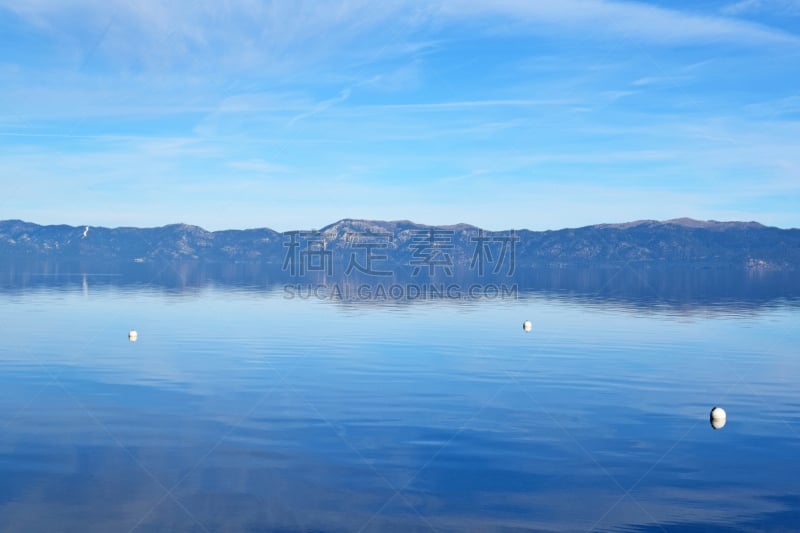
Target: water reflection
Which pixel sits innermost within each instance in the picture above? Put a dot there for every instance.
(673, 290)
(718, 417)
(240, 410)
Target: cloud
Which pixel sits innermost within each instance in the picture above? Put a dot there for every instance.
(742, 7)
(258, 165)
(344, 94)
(782, 7)
(206, 35)
(404, 78)
(781, 107)
(648, 81)
(635, 20)
(154, 96)
(467, 104)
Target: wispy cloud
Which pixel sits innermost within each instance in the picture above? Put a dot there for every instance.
(234, 36)
(742, 7)
(469, 104)
(780, 7)
(280, 35)
(258, 165)
(343, 95)
(649, 81)
(468, 110)
(632, 20)
(781, 107)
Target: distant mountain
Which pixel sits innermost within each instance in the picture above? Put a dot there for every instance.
(673, 243)
(23, 240)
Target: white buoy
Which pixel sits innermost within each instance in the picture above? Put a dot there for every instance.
(718, 417)
(133, 335)
(527, 326)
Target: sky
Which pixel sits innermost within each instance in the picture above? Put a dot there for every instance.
(294, 114)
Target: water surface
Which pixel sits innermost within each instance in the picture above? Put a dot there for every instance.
(239, 409)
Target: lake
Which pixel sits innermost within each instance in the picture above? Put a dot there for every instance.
(252, 408)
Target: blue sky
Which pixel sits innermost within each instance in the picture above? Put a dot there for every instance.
(504, 114)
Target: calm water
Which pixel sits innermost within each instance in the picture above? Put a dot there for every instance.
(241, 410)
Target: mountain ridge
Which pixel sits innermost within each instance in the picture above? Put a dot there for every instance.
(681, 221)
(677, 242)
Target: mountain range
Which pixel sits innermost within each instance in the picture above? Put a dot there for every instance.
(673, 243)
